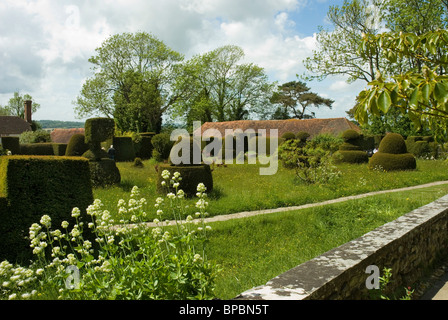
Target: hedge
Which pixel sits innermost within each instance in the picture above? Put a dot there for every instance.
(37, 149)
(76, 146)
(104, 173)
(33, 186)
(352, 156)
(124, 149)
(11, 143)
(191, 177)
(351, 151)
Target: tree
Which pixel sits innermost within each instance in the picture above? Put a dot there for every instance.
(295, 99)
(422, 92)
(221, 88)
(337, 50)
(125, 66)
(16, 105)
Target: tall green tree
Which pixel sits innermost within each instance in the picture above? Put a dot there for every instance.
(125, 66)
(222, 88)
(16, 105)
(295, 99)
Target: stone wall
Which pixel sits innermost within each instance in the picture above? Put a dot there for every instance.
(407, 245)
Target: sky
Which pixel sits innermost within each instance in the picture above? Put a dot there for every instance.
(45, 44)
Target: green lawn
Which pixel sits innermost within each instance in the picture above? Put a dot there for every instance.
(251, 251)
(240, 187)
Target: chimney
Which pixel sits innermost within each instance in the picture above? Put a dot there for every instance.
(28, 111)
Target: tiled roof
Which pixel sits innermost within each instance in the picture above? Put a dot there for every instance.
(314, 127)
(13, 125)
(64, 135)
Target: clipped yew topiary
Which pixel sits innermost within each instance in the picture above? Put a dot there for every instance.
(124, 149)
(350, 151)
(33, 186)
(76, 146)
(393, 155)
(103, 171)
(288, 136)
(11, 143)
(192, 171)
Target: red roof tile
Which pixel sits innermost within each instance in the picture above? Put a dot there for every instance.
(64, 135)
(314, 127)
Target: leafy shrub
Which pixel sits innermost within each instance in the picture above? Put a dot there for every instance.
(288, 136)
(393, 143)
(289, 153)
(39, 136)
(124, 149)
(350, 135)
(162, 146)
(191, 177)
(12, 144)
(59, 149)
(316, 167)
(138, 163)
(326, 142)
(351, 151)
(302, 136)
(352, 156)
(76, 146)
(143, 147)
(37, 185)
(160, 263)
(37, 149)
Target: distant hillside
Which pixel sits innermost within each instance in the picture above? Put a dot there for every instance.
(56, 124)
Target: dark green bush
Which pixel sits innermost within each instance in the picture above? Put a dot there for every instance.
(392, 162)
(191, 177)
(11, 143)
(348, 147)
(104, 173)
(37, 149)
(288, 136)
(138, 163)
(124, 149)
(302, 136)
(99, 129)
(350, 135)
(352, 156)
(393, 143)
(76, 146)
(162, 146)
(34, 186)
(59, 149)
(143, 148)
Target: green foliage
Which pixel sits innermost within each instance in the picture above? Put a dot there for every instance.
(143, 146)
(162, 146)
(16, 105)
(350, 135)
(352, 156)
(316, 167)
(288, 136)
(124, 149)
(138, 163)
(34, 186)
(98, 130)
(351, 151)
(393, 143)
(37, 149)
(326, 142)
(39, 136)
(104, 173)
(191, 177)
(12, 144)
(302, 136)
(138, 263)
(289, 153)
(392, 162)
(76, 146)
(59, 149)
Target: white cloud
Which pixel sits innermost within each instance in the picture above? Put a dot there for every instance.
(45, 44)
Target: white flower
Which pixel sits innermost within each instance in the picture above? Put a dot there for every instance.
(165, 174)
(197, 257)
(64, 224)
(45, 221)
(12, 296)
(163, 183)
(170, 195)
(176, 174)
(201, 187)
(76, 212)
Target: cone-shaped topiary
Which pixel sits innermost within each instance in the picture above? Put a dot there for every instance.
(393, 155)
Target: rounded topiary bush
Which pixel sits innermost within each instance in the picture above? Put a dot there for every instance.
(76, 146)
(393, 143)
(392, 162)
(191, 177)
(288, 136)
(350, 135)
(353, 156)
(393, 155)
